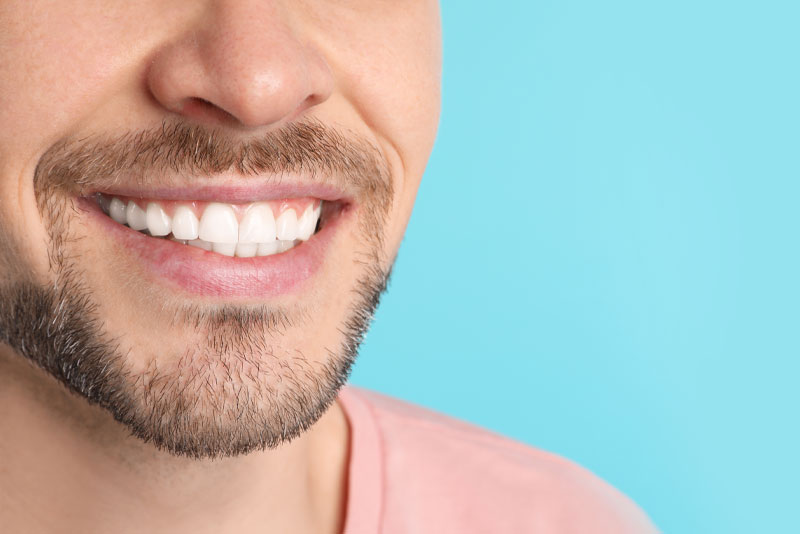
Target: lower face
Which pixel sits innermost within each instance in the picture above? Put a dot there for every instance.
(216, 307)
(208, 323)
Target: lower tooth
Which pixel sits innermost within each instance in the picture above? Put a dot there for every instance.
(246, 250)
(285, 245)
(242, 250)
(228, 249)
(265, 249)
(199, 243)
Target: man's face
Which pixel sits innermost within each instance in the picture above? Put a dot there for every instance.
(136, 135)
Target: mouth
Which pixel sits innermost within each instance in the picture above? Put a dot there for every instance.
(210, 247)
(241, 230)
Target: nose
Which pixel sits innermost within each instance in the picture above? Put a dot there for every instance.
(242, 62)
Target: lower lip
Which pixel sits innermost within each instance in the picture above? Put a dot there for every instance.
(209, 274)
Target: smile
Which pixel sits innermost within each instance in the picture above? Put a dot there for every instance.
(241, 230)
(231, 248)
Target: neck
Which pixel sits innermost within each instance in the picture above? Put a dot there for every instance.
(69, 467)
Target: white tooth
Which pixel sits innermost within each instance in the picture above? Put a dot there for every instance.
(318, 210)
(158, 222)
(306, 224)
(285, 245)
(199, 243)
(184, 223)
(181, 241)
(246, 250)
(228, 249)
(117, 211)
(137, 218)
(287, 225)
(266, 249)
(258, 224)
(218, 224)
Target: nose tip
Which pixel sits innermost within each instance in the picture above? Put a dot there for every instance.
(244, 66)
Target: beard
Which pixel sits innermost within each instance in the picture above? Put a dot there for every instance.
(239, 389)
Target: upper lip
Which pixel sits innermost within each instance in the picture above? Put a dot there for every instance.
(234, 191)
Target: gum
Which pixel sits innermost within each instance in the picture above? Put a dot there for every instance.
(299, 205)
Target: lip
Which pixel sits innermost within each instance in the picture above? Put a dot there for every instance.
(199, 272)
(289, 186)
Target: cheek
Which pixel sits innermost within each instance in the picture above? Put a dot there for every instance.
(46, 76)
(23, 239)
(387, 59)
(401, 97)
(62, 61)
(391, 74)
(59, 63)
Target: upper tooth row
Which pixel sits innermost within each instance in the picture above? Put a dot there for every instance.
(218, 224)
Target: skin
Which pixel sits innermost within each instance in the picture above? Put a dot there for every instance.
(102, 67)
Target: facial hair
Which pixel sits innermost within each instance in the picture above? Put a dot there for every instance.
(221, 398)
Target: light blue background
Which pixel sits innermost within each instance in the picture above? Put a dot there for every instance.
(603, 260)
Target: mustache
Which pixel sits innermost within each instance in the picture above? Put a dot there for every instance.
(177, 152)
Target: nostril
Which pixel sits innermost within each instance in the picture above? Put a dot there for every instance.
(199, 108)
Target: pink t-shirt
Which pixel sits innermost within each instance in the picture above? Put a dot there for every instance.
(414, 471)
